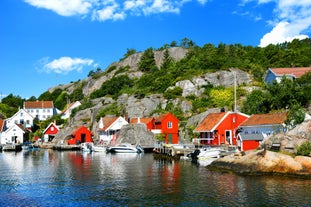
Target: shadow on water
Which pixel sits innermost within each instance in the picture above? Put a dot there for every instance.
(53, 178)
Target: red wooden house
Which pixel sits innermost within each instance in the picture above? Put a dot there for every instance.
(168, 125)
(80, 135)
(149, 122)
(50, 131)
(258, 126)
(219, 128)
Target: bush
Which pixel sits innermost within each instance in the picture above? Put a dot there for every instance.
(304, 149)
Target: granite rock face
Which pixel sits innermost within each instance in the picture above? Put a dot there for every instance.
(136, 134)
(264, 162)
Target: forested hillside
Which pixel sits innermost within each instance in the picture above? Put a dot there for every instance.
(156, 71)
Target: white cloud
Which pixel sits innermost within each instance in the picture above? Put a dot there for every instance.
(282, 32)
(108, 12)
(293, 19)
(65, 65)
(63, 7)
(102, 10)
(161, 6)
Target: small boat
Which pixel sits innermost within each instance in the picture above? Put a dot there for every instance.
(90, 147)
(205, 155)
(27, 146)
(125, 148)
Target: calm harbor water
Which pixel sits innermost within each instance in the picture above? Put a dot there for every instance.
(53, 178)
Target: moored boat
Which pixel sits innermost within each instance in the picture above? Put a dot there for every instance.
(90, 147)
(125, 148)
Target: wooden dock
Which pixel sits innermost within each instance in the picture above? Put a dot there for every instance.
(12, 147)
(172, 151)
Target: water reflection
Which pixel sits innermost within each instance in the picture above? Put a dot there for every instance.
(51, 178)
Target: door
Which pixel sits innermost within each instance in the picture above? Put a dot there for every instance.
(228, 137)
(83, 137)
(170, 138)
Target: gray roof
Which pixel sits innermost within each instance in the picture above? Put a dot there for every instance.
(257, 137)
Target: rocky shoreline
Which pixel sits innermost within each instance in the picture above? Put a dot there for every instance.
(264, 162)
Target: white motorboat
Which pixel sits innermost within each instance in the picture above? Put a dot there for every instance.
(125, 148)
(206, 155)
(90, 147)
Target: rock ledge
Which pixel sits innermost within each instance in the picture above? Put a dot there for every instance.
(264, 162)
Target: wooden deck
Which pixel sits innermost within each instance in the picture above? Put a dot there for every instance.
(172, 151)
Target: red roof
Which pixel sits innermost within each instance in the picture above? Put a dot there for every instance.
(38, 104)
(142, 120)
(210, 121)
(107, 121)
(265, 119)
(297, 72)
(1, 125)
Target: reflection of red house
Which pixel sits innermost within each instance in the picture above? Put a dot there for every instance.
(80, 135)
(50, 132)
(168, 125)
(220, 128)
(149, 122)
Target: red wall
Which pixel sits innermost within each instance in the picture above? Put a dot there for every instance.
(49, 131)
(173, 132)
(250, 145)
(79, 133)
(231, 122)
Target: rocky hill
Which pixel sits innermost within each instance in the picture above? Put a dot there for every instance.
(142, 107)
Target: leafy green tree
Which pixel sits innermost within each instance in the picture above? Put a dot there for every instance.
(167, 60)
(295, 116)
(32, 98)
(61, 101)
(13, 101)
(113, 86)
(76, 95)
(304, 149)
(222, 97)
(255, 103)
(147, 62)
(46, 96)
(7, 111)
(129, 52)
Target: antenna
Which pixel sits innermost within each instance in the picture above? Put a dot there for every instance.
(234, 73)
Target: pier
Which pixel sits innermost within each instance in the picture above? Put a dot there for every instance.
(172, 151)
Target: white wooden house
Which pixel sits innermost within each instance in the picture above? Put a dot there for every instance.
(40, 109)
(108, 128)
(20, 117)
(15, 134)
(65, 114)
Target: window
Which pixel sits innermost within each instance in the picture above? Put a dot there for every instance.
(169, 125)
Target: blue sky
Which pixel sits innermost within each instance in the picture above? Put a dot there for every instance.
(44, 43)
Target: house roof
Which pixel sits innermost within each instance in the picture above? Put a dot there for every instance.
(80, 128)
(69, 107)
(38, 104)
(210, 121)
(246, 137)
(52, 123)
(296, 72)
(161, 117)
(108, 121)
(1, 125)
(265, 119)
(142, 120)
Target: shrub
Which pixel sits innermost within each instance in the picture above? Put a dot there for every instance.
(304, 149)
